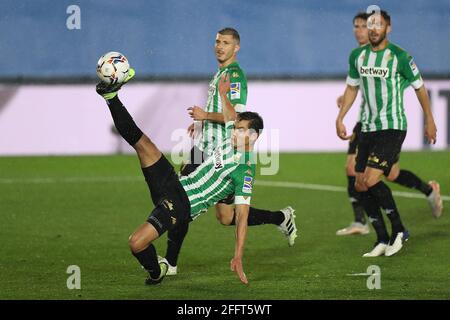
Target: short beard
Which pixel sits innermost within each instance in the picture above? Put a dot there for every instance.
(376, 44)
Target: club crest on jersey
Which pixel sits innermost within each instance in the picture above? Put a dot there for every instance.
(235, 90)
(248, 182)
(235, 75)
(376, 72)
(218, 159)
(237, 157)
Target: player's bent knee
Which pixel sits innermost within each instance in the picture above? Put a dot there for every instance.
(371, 181)
(350, 165)
(393, 175)
(391, 178)
(350, 170)
(225, 221)
(136, 243)
(360, 186)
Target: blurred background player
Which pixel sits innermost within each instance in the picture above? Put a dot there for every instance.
(403, 177)
(382, 70)
(208, 130)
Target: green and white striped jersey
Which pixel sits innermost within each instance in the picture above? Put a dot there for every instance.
(383, 76)
(361, 108)
(213, 132)
(226, 172)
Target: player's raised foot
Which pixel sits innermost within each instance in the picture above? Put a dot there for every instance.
(288, 227)
(435, 200)
(171, 270)
(379, 249)
(354, 228)
(396, 243)
(150, 281)
(109, 91)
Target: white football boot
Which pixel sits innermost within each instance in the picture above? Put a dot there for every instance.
(171, 270)
(354, 228)
(288, 227)
(378, 250)
(396, 244)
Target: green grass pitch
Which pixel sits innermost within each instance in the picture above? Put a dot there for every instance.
(61, 211)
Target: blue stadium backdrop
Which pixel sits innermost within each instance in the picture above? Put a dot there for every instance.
(174, 38)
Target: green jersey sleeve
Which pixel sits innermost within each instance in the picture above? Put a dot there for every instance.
(409, 70)
(353, 78)
(243, 179)
(238, 89)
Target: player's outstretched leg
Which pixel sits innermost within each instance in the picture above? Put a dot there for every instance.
(147, 152)
(141, 240)
(284, 219)
(410, 180)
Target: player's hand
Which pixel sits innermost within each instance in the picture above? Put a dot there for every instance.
(190, 131)
(224, 84)
(341, 131)
(236, 266)
(430, 131)
(339, 101)
(197, 113)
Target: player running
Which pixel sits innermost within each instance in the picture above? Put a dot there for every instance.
(403, 177)
(209, 132)
(178, 200)
(383, 71)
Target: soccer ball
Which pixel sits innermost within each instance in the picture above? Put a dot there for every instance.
(112, 67)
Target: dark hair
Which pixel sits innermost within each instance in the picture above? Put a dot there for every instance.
(360, 15)
(255, 121)
(230, 32)
(384, 14)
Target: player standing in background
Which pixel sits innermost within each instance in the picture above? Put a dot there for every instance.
(403, 177)
(227, 45)
(382, 70)
(359, 225)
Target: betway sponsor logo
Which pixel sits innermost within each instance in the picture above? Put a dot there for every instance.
(374, 72)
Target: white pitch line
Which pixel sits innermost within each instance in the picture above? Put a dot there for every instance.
(321, 187)
(362, 274)
(71, 180)
(263, 183)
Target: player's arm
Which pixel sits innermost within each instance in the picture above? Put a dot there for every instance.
(347, 101)
(241, 216)
(243, 181)
(351, 91)
(229, 113)
(215, 117)
(199, 114)
(430, 126)
(410, 71)
(237, 94)
(339, 101)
